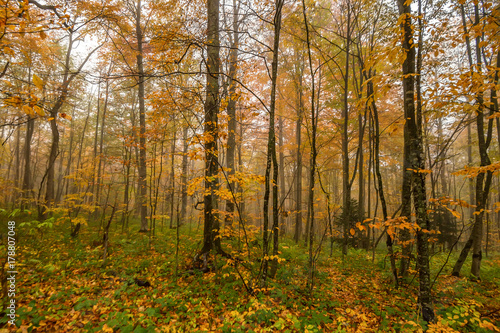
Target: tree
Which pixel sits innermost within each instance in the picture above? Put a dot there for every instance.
(231, 112)
(142, 182)
(67, 78)
(271, 160)
(484, 176)
(417, 163)
(211, 239)
(314, 152)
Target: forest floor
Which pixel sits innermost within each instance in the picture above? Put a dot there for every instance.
(63, 285)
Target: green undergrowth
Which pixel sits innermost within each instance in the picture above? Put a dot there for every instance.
(65, 286)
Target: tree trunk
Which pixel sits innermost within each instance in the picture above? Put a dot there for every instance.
(184, 176)
(379, 182)
(417, 163)
(346, 188)
(96, 137)
(241, 199)
(127, 164)
(27, 185)
(142, 182)
(361, 180)
(17, 168)
(231, 112)
(172, 179)
(82, 139)
(66, 181)
(314, 153)
(483, 181)
(298, 175)
(54, 151)
(368, 182)
(281, 165)
(211, 220)
(101, 144)
(271, 151)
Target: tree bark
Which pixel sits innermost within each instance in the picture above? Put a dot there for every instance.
(281, 165)
(101, 144)
(314, 154)
(172, 178)
(346, 188)
(17, 168)
(231, 112)
(271, 154)
(27, 185)
(211, 220)
(184, 175)
(417, 163)
(142, 181)
(298, 176)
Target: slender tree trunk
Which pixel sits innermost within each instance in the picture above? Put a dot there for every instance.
(308, 205)
(417, 163)
(469, 162)
(271, 154)
(346, 189)
(298, 176)
(54, 151)
(368, 183)
(442, 164)
(406, 201)
(60, 179)
(281, 165)
(361, 180)
(240, 169)
(380, 186)
(96, 137)
(127, 165)
(79, 163)
(142, 181)
(172, 179)
(231, 112)
(314, 153)
(27, 185)
(483, 181)
(184, 175)
(17, 168)
(66, 181)
(101, 144)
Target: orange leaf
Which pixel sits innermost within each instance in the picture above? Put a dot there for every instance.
(65, 116)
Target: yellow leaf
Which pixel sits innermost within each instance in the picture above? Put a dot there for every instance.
(106, 328)
(454, 212)
(352, 231)
(28, 110)
(65, 116)
(39, 111)
(494, 115)
(38, 82)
